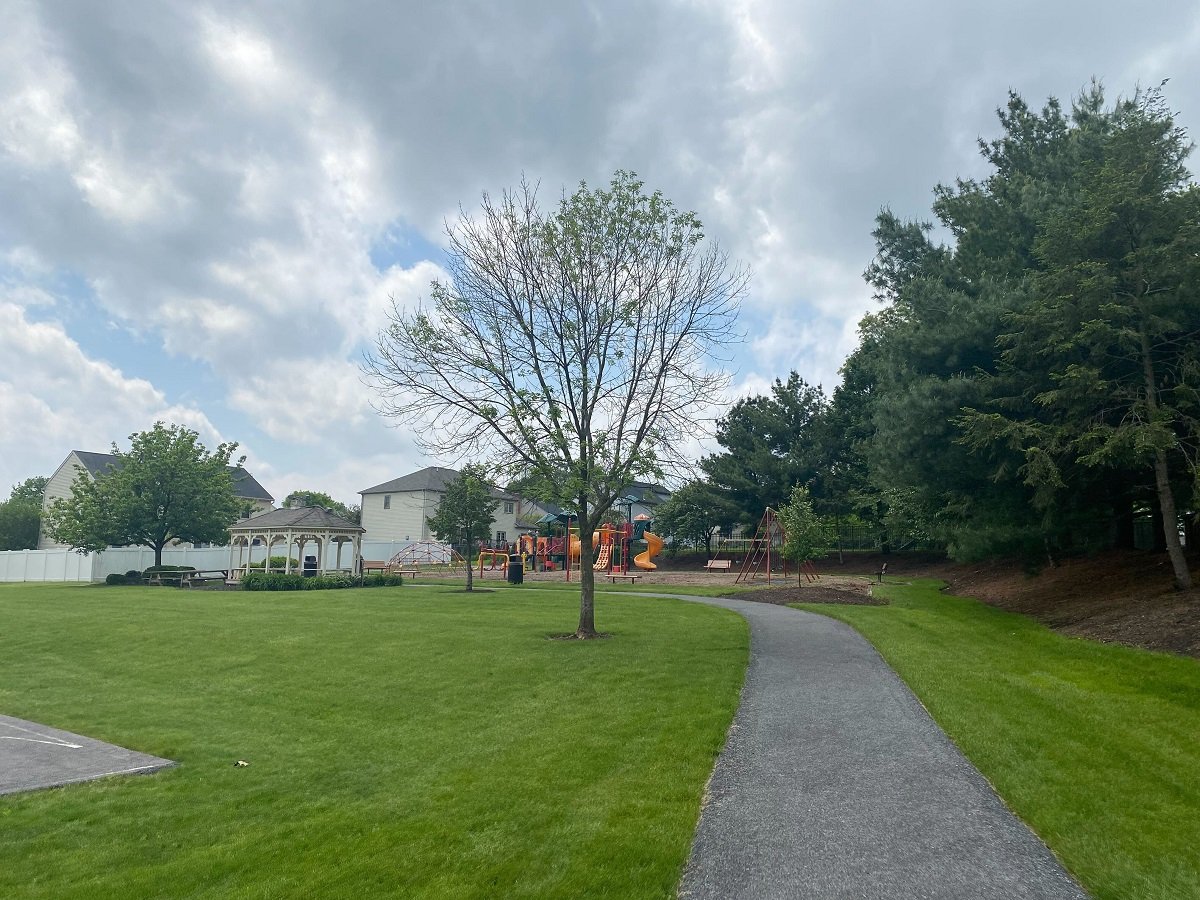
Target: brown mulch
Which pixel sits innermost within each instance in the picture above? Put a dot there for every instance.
(1123, 597)
(855, 592)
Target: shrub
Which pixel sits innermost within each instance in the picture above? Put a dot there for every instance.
(277, 581)
(133, 576)
(382, 580)
(115, 578)
(272, 581)
(277, 562)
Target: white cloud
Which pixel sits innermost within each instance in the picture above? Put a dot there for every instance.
(54, 398)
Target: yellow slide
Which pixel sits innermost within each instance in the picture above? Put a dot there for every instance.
(654, 546)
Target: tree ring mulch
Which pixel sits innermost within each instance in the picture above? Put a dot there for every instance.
(781, 596)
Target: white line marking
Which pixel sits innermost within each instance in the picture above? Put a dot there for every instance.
(46, 738)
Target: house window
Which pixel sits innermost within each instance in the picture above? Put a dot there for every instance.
(501, 537)
(508, 508)
(387, 501)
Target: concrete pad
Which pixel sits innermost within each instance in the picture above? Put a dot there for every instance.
(35, 756)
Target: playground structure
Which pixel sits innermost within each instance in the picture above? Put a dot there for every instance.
(764, 550)
(429, 556)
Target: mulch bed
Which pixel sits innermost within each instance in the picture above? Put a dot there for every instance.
(781, 596)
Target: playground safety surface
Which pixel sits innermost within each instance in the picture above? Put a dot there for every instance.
(36, 756)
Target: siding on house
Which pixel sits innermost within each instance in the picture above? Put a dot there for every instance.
(414, 498)
(59, 487)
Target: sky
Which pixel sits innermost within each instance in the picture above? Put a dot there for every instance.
(205, 207)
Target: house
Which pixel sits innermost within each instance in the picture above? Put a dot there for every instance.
(399, 510)
(641, 499)
(253, 495)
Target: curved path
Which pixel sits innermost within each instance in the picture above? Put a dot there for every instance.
(836, 783)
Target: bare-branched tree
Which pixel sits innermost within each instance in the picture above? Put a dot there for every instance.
(579, 345)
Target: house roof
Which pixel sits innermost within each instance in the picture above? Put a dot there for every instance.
(431, 478)
(647, 494)
(306, 517)
(245, 486)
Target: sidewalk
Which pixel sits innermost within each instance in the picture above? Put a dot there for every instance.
(835, 783)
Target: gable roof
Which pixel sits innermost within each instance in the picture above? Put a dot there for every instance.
(647, 494)
(245, 486)
(311, 517)
(431, 478)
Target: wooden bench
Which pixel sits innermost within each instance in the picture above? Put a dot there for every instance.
(719, 565)
(374, 566)
(613, 576)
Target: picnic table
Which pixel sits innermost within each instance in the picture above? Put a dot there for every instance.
(188, 577)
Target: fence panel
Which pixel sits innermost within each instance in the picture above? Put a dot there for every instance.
(59, 564)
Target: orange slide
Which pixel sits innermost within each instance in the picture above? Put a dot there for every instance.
(654, 545)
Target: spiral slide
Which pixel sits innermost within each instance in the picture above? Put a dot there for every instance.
(654, 546)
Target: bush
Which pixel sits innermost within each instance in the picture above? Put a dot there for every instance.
(115, 578)
(277, 581)
(277, 562)
(272, 581)
(133, 576)
(382, 580)
(328, 582)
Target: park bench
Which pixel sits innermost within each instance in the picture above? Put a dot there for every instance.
(613, 576)
(719, 565)
(375, 566)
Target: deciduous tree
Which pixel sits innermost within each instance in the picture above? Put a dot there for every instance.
(166, 487)
(323, 500)
(574, 345)
(465, 514)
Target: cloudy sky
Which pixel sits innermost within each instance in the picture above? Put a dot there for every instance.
(204, 207)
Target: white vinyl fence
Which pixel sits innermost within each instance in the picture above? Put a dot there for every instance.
(63, 564)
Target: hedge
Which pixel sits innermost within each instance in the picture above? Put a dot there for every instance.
(278, 581)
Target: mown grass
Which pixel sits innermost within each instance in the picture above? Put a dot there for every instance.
(402, 742)
(1096, 746)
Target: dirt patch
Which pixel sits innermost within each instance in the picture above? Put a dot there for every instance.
(1123, 597)
(814, 593)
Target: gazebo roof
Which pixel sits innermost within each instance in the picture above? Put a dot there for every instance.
(307, 518)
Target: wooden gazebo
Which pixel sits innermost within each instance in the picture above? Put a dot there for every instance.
(309, 530)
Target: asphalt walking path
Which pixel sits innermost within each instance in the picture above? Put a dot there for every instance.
(836, 783)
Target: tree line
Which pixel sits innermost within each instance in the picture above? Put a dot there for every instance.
(1029, 383)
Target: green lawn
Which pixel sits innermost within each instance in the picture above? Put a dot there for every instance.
(410, 742)
(1096, 746)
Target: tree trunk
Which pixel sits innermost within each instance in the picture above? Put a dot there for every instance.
(1170, 518)
(587, 578)
(470, 568)
(158, 549)
(1162, 481)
